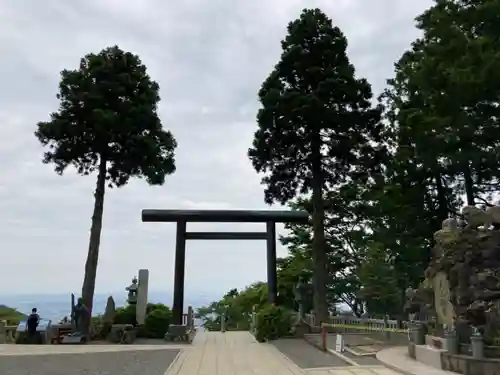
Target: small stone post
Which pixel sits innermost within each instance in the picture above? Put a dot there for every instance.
(417, 334)
(3, 333)
(190, 318)
(477, 344)
(223, 322)
(451, 341)
(386, 327)
(254, 319)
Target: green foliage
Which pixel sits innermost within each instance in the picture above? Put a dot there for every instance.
(273, 322)
(158, 318)
(236, 306)
(12, 316)
(125, 315)
(380, 291)
(316, 120)
(107, 122)
(157, 322)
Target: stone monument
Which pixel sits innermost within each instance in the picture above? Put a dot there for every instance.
(142, 296)
(463, 276)
(109, 312)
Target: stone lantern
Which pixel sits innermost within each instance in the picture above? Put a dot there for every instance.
(132, 292)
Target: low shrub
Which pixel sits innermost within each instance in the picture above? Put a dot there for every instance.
(158, 317)
(125, 315)
(156, 323)
(273, 322)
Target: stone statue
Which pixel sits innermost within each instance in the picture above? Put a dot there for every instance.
(132, 292)
(299, 294)
(448, 234)
(476, 217)
(81, 317)
(494, 213)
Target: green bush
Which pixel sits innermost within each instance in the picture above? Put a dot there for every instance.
(156, 323)
(158, 317)
(273, 322)
(12, 316)
(125, 315)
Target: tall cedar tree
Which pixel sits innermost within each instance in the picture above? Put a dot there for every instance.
(107, 123)
(458, 73)
(315, 126)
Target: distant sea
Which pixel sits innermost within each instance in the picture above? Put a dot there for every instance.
(57, 306)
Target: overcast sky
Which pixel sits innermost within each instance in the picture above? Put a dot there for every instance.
(210, 58)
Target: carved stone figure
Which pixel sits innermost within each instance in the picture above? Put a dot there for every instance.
(448, 234)
(476, 217)
(494, 213)
(444, 308)
(81, 316)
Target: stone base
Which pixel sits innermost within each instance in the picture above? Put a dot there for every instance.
(180, 333)
(74, 339)
(429, 356)
(122, 334)
(467, 365)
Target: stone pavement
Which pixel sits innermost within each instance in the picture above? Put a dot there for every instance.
(211, 353)
(11, 349)
(237, 353)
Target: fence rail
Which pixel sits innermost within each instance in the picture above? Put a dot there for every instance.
(361, 323)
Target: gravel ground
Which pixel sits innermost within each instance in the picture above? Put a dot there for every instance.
(145, 362)
(305, 355)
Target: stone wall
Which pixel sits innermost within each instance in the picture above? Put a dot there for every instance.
(470, 366)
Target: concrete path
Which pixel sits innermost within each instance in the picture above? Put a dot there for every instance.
(237, 353)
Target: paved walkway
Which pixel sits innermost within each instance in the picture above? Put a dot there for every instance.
(237, 353)
(211, 353)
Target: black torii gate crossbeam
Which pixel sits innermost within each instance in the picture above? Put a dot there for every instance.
(181, 217)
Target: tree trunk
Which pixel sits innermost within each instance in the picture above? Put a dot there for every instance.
(95, 238)
(319, 255)
(442, 199)
(469, 185)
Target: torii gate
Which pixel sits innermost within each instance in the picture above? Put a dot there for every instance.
(182, 217)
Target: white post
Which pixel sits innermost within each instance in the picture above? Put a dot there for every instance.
(339, 343)
(142, 296)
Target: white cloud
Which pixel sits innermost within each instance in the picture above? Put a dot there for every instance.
(210, 58)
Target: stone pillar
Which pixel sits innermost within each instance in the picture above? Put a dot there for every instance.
(142, 296)
(451, 342)
(272, 278)
(3, 333)
(190, 317)
(254, 319)
(417, 334)
(477, 346)
(223, 322)
(179, 269)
